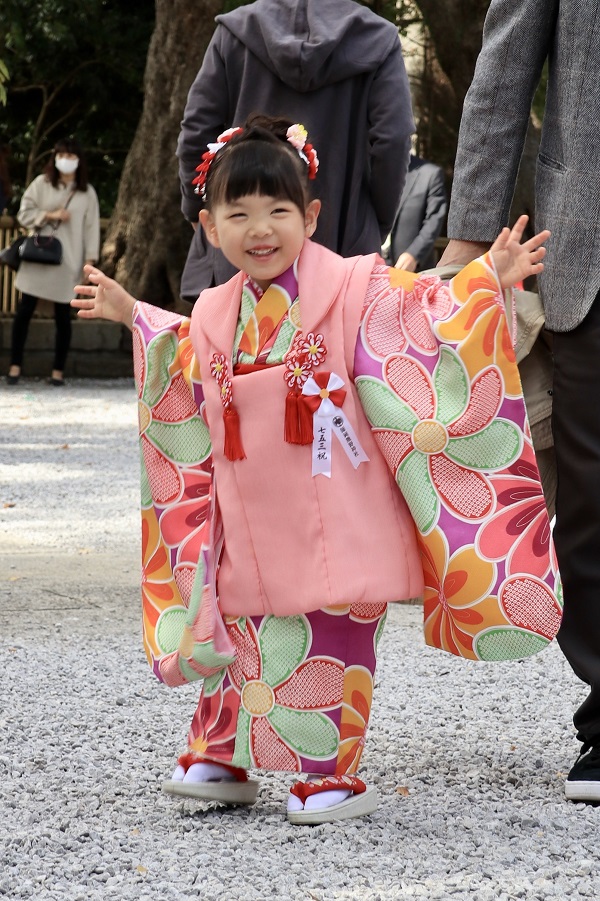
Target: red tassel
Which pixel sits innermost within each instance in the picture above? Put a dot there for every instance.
(305, 422)
(291, 430)
(232, 447)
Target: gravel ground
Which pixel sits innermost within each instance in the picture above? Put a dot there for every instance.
(469, 759)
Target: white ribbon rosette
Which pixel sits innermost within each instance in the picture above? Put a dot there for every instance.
(323, 395)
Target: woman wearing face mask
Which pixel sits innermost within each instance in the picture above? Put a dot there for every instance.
(60, 198)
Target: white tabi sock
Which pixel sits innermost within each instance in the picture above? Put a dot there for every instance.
(203, 772)
(319, 801)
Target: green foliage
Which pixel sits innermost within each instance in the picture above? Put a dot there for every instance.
(75, 69)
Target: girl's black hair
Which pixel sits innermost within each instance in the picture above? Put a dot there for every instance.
(68, 145)
(260, 160)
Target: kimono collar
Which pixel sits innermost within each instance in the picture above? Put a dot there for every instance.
(287, 281)
(320, 274)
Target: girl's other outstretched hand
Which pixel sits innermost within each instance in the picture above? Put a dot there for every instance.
(103, 298)
(515, 261)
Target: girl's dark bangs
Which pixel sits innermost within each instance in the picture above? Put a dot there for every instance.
(243, 179)
(255, 171)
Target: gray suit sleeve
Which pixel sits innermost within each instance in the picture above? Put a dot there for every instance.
(517, 38)
(390, 127)
(206, 116)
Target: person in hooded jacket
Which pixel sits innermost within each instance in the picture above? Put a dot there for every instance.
(337, 68)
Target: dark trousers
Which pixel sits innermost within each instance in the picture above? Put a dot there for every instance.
(576, 427)
(62, 342)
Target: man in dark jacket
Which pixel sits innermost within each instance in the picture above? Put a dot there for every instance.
(420, 217)
(335, 67)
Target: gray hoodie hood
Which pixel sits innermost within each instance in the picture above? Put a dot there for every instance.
(309, 44)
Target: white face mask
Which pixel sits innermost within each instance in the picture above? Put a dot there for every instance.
(66, 166)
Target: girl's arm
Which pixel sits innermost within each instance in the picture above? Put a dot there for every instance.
(104, 298)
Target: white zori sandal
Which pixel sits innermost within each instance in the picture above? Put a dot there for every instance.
(208, 781)
(330, 798)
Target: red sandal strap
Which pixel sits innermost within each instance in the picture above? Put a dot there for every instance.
(190, 757)
(304, 790)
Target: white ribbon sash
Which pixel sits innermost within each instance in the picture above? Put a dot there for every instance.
(328, 421)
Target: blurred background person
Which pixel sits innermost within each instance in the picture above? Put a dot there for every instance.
(420, 218)
(60, 198)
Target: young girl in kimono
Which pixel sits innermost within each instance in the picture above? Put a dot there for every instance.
(282, 481)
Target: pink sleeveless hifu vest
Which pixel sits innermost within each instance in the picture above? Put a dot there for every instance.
(294, 542)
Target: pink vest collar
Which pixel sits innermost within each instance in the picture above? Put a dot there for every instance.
(317, 267)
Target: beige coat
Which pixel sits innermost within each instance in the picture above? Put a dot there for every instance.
(80, 238)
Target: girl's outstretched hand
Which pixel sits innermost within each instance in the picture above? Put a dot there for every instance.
(515, 261)
(103, 298)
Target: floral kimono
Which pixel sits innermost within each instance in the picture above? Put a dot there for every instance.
(436, 375)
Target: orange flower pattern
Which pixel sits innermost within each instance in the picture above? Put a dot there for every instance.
(435, 370)
(176, 483)
(297, 697)
(436, 373)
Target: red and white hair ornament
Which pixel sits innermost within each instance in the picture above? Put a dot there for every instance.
(296, 136)
(208, 157)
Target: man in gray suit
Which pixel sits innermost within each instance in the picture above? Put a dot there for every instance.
(518, 38)
(420, 217)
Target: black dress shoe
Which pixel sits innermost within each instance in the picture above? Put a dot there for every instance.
(57, 382)
(12, 379)
(583, 782)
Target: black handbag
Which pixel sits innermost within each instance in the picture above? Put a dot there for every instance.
(38, 248)
(11, 255)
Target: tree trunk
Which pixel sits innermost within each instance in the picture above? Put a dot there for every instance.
(147, 240)
(456, 38)
(456, 34)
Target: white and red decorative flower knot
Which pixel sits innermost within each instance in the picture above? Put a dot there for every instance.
(296, 345)
(226, 392)
(304, 355)
(218, 367)
(314, 348)
(297, 372)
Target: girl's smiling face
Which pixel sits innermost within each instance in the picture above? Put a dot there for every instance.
(260, 235)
